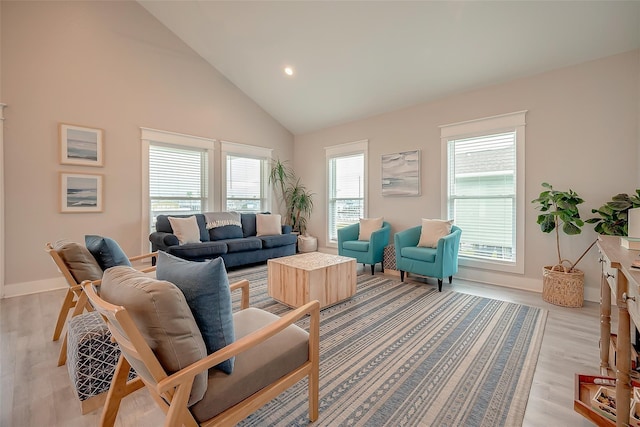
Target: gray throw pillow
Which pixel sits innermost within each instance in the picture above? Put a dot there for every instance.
(206, 288)
(106, 251)
(159, 310)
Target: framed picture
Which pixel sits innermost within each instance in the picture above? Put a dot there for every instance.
(80, 192)
(401, 174)
(80, 145)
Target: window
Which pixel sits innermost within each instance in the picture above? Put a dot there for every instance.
(177, 173)
(346, 171)
(246, 177)
(485, 189)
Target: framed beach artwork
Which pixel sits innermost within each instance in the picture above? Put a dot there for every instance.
(80, 145)
(80, 192)
(401, 174)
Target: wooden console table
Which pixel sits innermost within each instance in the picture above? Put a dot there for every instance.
(623, 282)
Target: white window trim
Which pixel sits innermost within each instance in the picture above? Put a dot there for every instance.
(356, 147)
(235, 148)
(148, 136)
(494, 124)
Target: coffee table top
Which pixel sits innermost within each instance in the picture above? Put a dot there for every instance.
(311, 260)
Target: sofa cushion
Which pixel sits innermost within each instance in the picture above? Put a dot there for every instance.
(162, 224)
(185, 229)
(206, 288)
(368, 226)
(202, 250)
(161, 313)
(81, 264)
(268, 224)
(106, 251)
(432, 231)
(255, 368)
(241, 245)
(248, 221)
(278, 241)
(225, 232)
(356, 245)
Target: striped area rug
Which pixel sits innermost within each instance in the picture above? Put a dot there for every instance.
(406, 355)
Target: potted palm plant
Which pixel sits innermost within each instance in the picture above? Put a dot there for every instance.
(298, 201)
(562, 284)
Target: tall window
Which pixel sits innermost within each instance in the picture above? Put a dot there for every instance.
(346, 171)
(245, 176)
(177, 173)
(485, 188)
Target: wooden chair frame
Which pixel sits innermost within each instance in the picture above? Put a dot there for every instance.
(171, 392)
(73, 297)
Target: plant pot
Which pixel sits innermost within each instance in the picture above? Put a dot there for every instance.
(562, 288)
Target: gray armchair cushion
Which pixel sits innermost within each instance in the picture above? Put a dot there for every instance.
(81, 264)
(255, 368)
(162, 315)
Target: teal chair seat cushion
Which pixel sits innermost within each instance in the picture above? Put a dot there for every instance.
(419, 253)
(356, 245)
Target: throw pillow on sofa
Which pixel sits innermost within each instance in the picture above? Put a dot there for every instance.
(106, 251)
(185, 229)
(268, 224)
(206, 288)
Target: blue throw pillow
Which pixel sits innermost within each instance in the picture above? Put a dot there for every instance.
(206, 288)
(106, 251)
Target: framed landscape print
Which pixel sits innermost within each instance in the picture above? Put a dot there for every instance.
(80, 192)
(80, 145)
(401, 174)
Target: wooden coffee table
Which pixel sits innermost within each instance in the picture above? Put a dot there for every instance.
(297, 279)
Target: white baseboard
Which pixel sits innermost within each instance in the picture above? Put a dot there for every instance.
(37, 286)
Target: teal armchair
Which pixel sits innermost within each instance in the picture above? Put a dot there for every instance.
(437, 262)
(365, 252)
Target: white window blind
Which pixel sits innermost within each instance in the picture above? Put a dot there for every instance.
(346, 191)
(482, 194)
(177, 180)
(245, 186)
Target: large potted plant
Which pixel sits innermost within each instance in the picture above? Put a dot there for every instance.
(563, 284)
(297, 200)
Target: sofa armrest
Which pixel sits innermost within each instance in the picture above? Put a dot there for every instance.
(161, 239)
(286, 229)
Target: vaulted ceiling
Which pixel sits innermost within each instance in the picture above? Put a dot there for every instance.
(352, 60)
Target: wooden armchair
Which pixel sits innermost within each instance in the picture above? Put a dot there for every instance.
(286, 353)
(82, 267)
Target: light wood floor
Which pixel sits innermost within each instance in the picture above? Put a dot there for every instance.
(34, 391)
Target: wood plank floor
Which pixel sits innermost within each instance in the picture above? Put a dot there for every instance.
(34, 391)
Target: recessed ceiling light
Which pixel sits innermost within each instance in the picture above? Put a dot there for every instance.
(288, 71)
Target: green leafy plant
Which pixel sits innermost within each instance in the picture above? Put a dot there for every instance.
(613, 219)
(559, 211)
(298, 201)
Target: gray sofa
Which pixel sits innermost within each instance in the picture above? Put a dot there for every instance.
(236, 245)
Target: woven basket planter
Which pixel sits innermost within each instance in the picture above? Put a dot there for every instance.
(562, 288)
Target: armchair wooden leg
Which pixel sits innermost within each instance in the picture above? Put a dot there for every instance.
(373, 268)
(67, 304)
(401, 276)
(439, 285)
(118, 390)
(382, 267)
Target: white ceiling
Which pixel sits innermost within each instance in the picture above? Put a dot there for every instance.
(357, 59)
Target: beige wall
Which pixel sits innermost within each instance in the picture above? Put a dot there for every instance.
(109, 65)
(582, 133)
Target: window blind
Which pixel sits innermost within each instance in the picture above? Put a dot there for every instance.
(346, 192)
(482, 194)
(177, 180)
(245, 184)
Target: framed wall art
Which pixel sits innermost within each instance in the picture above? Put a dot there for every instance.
(80, 192)
(401, 174)
(80, 145)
